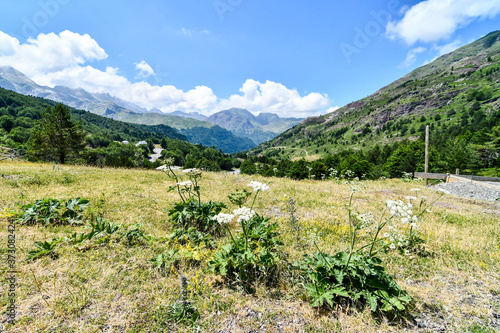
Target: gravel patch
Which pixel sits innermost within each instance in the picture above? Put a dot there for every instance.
(156, 155)
(468, 190)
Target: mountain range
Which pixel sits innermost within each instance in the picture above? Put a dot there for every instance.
(450, 94)
(231, 130)
(259, 128)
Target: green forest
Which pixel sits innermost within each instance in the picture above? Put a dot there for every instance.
(457, 96)
(21, 117)
(472, 146)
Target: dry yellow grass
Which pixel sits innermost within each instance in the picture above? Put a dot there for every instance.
(115, 289)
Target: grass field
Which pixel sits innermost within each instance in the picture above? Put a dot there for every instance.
(114, 287)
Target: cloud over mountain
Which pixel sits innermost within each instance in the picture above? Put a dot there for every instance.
(63, 59)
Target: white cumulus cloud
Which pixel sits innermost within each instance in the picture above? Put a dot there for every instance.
(51, 60)
(49, 52)
(434, 20)
(332, 109)
(144, 69)
(276, 98)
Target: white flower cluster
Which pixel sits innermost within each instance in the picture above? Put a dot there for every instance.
(313, 237)
(224, 218)
(366, 220)
(186, 183)
(404, 211)
(244, 214)
(258, 186)
(396, 237)
(355, 185)
(192, 172)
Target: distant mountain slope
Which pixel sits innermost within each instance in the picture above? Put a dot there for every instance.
(259, 128)
(105, 146)
(197, 131)
(456, 90)
(156, 118)
(32, 106)
(194, 115)
(14, 80)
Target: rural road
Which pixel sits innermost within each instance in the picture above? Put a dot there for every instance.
(156, 155)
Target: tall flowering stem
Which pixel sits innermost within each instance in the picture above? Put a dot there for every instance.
(257, 187)
(184, 291)
(380, 226)
(352, 230)
(225, 220)
(184, 189)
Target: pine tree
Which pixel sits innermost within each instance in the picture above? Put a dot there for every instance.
(57, 138)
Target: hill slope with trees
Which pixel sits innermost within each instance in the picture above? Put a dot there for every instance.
(457, 95)
(22, 122)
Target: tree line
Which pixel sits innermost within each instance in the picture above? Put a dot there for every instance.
(388, 160)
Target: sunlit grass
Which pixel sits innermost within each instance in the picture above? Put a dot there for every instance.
(116, 287)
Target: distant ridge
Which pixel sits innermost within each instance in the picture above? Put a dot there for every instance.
(444, 92)
(259, 128)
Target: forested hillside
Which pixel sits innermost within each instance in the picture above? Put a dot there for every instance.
(457, 95)
(20, 115)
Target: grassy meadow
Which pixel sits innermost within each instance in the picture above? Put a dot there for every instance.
(114, 287)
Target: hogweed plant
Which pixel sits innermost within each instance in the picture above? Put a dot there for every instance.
(403, 232)
(254, 253)
(354, 276)
(407, 177)
(293, 219)
(239, 197)
(191, 211)
(187, 189)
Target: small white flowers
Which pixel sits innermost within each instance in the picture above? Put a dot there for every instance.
(405, 222)
(258, 186)
(400, 209)
(186, 183)
(366, 220)
(224, 218)
(244, 214)
(194, 173)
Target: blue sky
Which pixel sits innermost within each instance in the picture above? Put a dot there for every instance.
(294, 58)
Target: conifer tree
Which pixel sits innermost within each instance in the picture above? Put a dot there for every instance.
(57, 138)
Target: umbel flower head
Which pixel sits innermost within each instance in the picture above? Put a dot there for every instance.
(224, 218)
(186, 183)
(244, 214)
(258, 186)
(403, 211)
(192, 172)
